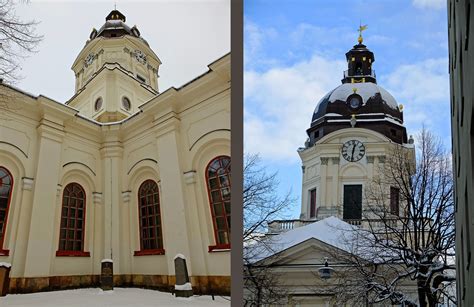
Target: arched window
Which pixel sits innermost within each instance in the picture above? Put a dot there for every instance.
(6, 185)
(218, 186)
(151, 238)
(73, 213)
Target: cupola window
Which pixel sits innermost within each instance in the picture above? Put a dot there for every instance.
(126, 103)
(98, 104)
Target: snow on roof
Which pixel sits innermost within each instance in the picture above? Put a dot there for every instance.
(5, 264)
(365, 90)
(331, 230)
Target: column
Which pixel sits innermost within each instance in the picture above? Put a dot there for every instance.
(41, 242)
(323, 181)
(337, 204)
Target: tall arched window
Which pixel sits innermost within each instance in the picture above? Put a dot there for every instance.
(218, 186)
(151, 238)
(6, 185)
(73, 213)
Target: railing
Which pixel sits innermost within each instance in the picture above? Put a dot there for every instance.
(279, 226)
(372, 74)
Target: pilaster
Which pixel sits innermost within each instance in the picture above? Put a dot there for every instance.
(41, 241)
(175, 224)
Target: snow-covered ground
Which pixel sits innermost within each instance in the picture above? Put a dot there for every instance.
(93, 297)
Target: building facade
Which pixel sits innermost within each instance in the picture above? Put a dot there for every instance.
(353, 130)
(462, 120)
(120, 171)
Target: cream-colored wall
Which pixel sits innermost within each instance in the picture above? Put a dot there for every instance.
(329, 179)
(172, 139)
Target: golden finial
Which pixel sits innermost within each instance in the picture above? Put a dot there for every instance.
(361, 28)
(400, 107)
(354, 89)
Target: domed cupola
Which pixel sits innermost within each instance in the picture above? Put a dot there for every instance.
(115, 26)
(358, 102)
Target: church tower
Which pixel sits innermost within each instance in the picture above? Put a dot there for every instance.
(352, 130)
(116, 72)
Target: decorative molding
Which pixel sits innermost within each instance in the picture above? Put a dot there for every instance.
(27, 183)
(324, 161)
(58, 189)
(190, 177)
(80, 163)
(381, 159)
(126, 196)
(335, 160)
(370, 159)
(97, 197)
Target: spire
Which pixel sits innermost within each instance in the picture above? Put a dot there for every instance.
(361, 28)
(359, 62)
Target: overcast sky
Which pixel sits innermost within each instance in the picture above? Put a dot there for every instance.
(186, 36)
(294, 53)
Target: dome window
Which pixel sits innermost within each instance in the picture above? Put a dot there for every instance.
(126, 103)
(354, 101)
(98, 104)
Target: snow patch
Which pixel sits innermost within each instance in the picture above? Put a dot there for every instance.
(107, 260)
(179, 256)
(186, 286)
(5, 264)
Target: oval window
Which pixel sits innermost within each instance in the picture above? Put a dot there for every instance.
(126, 103)
(98, 104)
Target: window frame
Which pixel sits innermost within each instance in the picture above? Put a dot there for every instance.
(395, 202)
(3, 251)
(217, 246)
(311, 203)
(72, 253)
(154, 251)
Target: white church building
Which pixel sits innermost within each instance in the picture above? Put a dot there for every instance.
(352, 131)
(120, 171)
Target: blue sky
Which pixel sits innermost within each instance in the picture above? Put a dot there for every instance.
(294, 53)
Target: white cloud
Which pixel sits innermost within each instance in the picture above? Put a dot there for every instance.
(423, 89)
(430, 4)
(279, 104)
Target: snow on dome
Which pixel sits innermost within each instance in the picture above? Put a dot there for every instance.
(366, 90)
(179, 256)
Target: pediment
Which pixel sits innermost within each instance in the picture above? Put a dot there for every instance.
(311, 251)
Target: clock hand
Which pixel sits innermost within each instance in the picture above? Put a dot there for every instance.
(353, 149)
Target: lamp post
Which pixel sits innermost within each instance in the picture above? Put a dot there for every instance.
(325, 271)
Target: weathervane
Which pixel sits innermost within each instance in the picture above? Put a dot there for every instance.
(361, 28)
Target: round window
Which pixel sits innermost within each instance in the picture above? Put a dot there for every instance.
(126, 103)
(354, 101)
(98, 104)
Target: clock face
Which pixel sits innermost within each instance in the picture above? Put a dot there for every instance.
(353, 150)
(90, 59)
(140, 56)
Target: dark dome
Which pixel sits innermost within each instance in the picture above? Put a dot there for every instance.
(115, 26)
(358, 102)
(375, 99)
